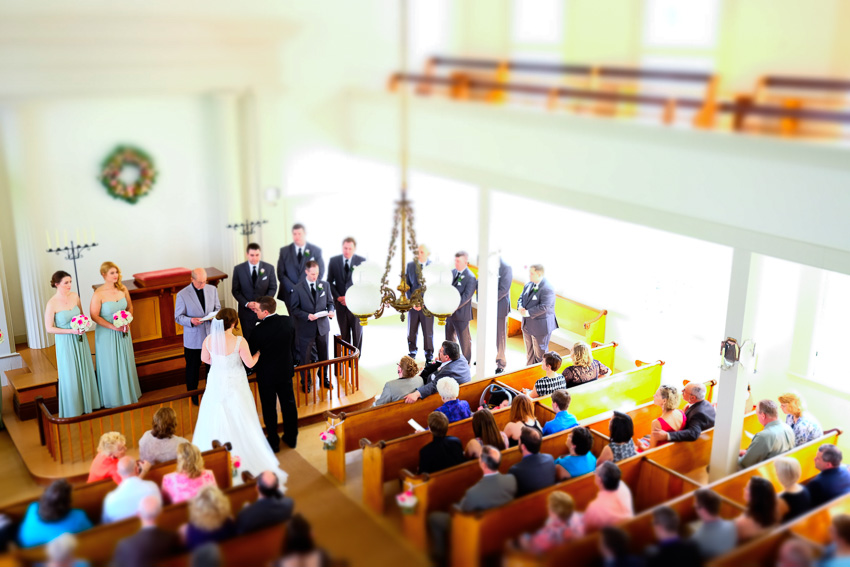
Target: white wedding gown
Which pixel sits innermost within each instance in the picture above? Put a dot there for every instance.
(228, 413)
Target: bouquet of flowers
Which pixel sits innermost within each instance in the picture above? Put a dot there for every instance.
(122, 318)
(235, 463)
(81, 324)
(406, 502)
(1, 337)
(328, 438)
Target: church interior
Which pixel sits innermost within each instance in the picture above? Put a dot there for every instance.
(679, 168)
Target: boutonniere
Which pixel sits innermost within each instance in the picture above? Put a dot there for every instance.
(351, 268)
(306, 253)
(534, 288)
(262, 271)
(319, 287)
(460, 276)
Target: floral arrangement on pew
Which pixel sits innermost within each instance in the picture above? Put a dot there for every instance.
(407, 502)
(328, 438)
(1, 337)
(81, 324)
(122, 319)
(235, 463)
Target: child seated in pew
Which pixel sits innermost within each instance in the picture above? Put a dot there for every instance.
(111, 447)
(486, 433)
(51, 516)
(761, 513)
(563, 419)
(209, 518)
(563, 524)
(580, 460)
(552, 379)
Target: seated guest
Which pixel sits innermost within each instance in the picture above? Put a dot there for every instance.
(536, 470)
(837, 554)
(522, 415)
(580, 460)
(805, 427)
(209, 518)
(794, 500)
(671, 418)
(552, 379)
(299, 549)
(699, 416)
(775, 439)
(493, 490)
(795, 553)
(563, 524)
(452, 408)
(51, 516)
(190, 476)
(111, 447)
(207, 555)
(60, 553)
(760, 497)
(715, 536)
(833, 480)
(159, 444)
(486, 433)
(614, 547)
(671, 548)
(613, 502)
(123, 502)
(150, 544)
(452, 365)
(443, 451)
(563, 419)
(408, 380)
(621, 446)
(271, 507)
(584, 369)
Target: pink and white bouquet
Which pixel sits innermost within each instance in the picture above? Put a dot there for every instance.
(1, 337)
(235, 463)
(328, 438)
(81, 324)
(406, 501)
(122, 319)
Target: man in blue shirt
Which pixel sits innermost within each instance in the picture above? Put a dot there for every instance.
(833, 480)
(563, 420)
(580, 460)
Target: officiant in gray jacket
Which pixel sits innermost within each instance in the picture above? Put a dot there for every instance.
(193, 303)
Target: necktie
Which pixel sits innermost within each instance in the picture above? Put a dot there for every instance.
(313, 291)
(254, 275)
(300, 256)
(347, 268)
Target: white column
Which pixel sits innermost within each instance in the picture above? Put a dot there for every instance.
(732, 383)
(488, 290)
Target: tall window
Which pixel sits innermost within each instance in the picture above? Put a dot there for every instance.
(828, 364)
(537, 26)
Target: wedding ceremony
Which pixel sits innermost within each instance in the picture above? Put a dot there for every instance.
(478, 283)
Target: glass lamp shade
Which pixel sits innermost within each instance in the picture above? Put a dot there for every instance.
(363, 299)
(367, 273)
(441, 299)
(437, 273)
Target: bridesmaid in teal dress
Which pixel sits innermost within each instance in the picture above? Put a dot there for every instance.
(77, 384)
(116, 362)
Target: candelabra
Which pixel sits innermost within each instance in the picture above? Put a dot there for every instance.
(246, 228)
(73, 252)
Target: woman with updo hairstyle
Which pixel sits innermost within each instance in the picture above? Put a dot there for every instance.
(159, 444)
(115, 359)
(671, 418)
(408, 380)
(52, 516)
(78, 393)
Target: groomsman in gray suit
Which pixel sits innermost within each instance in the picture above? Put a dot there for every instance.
(251, 281)
(415, 317)
(310, 297)
(340, 270)
(537, 307)
(506, 275)
(457, 324)
(193, 303)
(292, 261)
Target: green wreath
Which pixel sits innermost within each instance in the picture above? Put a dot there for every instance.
(120, 160)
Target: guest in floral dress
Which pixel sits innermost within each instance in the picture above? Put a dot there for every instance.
(190, 476)
(584, 369)
(452, 408)
(806, 428)
(563, 524)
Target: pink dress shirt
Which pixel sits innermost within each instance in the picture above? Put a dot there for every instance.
(609, 508)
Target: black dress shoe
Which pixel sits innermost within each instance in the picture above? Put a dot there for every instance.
(327, 384)
(499, 370)
(306, 389)
(290, 444)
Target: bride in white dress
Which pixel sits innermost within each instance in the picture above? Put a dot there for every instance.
(228, 411)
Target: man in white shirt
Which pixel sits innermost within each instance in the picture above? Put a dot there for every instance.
(123, 502)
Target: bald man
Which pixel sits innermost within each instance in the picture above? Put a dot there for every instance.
(123, 502)
(193, 303)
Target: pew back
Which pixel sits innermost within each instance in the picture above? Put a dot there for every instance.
(256, 548)
(526, 377)
(624, 391)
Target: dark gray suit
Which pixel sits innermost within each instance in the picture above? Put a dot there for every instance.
(146, 547)
(506, 275)
(538, 326)
(263, 513)
(349, 325)
(416, 319)
(308, 333)
(533, 473)
(457, 369)
(245, 291)
(457, 324)
(290, 271)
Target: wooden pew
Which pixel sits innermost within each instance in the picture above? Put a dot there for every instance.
(98, 544)
(89, 497)
(526, 377)
(256, 548)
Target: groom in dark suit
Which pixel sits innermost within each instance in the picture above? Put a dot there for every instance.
(293, 260)
(274, 337)
(340, 269)
(251, 281)
(310, 297)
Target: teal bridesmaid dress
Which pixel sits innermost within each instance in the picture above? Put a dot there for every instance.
(116, 362)
(77, 384)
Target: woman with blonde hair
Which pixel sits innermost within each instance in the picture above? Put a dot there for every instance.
(584, 369)
(159, 444)
(671, 418)
(806, 428)
(114, 357)
(209, 519)
(111, 447)
(794, 500)
(190, 476)
(408, 380)
(522, 413)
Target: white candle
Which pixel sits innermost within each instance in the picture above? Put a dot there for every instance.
(92, 234)
(78, 237)
(65, 239)
(58, 242)
(48, 239)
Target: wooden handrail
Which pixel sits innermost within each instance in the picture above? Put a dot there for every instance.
(602, 313)
(640, 363)
(782, 81)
